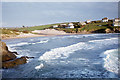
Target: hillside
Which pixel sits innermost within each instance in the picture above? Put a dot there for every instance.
(98, 27)
(93, 27)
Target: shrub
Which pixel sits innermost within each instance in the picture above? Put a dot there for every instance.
(25, 31)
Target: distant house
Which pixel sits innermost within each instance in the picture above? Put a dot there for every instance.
(70, 25)
(82, 23)
(63, 24)
(55, 26)
(117, 19)
(116, 22)
(105, 19)
(93, 21)
(88, 21)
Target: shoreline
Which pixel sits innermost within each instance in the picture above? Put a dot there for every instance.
(46, 35)
(43, 35)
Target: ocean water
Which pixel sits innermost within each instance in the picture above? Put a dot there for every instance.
(70, 56)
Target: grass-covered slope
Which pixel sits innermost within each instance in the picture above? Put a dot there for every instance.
(95, 26)
(42, 27)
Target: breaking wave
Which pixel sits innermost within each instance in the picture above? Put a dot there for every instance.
(44, 41)
(19, 44)
(64, 52)
(28, 43)
(110, 58)
(104, 40)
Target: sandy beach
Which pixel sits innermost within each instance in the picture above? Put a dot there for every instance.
(41, 33)
(36, 33)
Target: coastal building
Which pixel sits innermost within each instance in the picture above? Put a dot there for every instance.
(88, 21)
(116, 22)
(105, 19)
(63, 24)
(70, 25)
(82, 23)
(55, 26)
(117, 19)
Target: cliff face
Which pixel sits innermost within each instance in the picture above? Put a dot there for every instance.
(8, 58)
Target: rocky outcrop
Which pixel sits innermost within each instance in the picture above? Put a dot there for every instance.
(116, 30)
(108, 30)
(9, 59)
(99, 31)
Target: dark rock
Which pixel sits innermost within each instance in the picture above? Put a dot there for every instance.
(5, 53)
(9, 59)
(13, 63)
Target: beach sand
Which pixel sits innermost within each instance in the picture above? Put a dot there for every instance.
(41, 33)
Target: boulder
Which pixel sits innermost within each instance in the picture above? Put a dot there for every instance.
(15, 62)
(108, 30)
(9, 59)
(5, 53)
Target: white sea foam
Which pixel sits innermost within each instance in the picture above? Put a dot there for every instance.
(31, 39)
(39, 67)
(19, 44)
(44, 41)
(110, 58)
(64, 52)
(26, 43)
(40, 42)
(11, 49)
(104, 40)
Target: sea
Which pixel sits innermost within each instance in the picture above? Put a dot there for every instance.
(66, 56)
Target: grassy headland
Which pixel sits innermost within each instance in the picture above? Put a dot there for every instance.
(92, 27)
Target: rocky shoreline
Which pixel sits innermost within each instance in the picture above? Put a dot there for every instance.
(9, 59)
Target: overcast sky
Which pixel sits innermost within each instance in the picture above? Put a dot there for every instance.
(16, 14)
(60, 0)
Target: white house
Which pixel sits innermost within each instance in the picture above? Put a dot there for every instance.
(70, 25)
(63, 24)
(116, 22)
(88, 21)
(82, 23)
(105, 19)
(55, 26)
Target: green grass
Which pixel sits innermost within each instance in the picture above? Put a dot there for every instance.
(95, 26)
(35, 27)
(89, 27)
(92, 28)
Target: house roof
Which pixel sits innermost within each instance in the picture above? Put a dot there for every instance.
(55, 25)
(89, 20)
(63, 24)
(117, 18)
(104, 18)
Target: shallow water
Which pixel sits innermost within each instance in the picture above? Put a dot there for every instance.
(72, 56)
